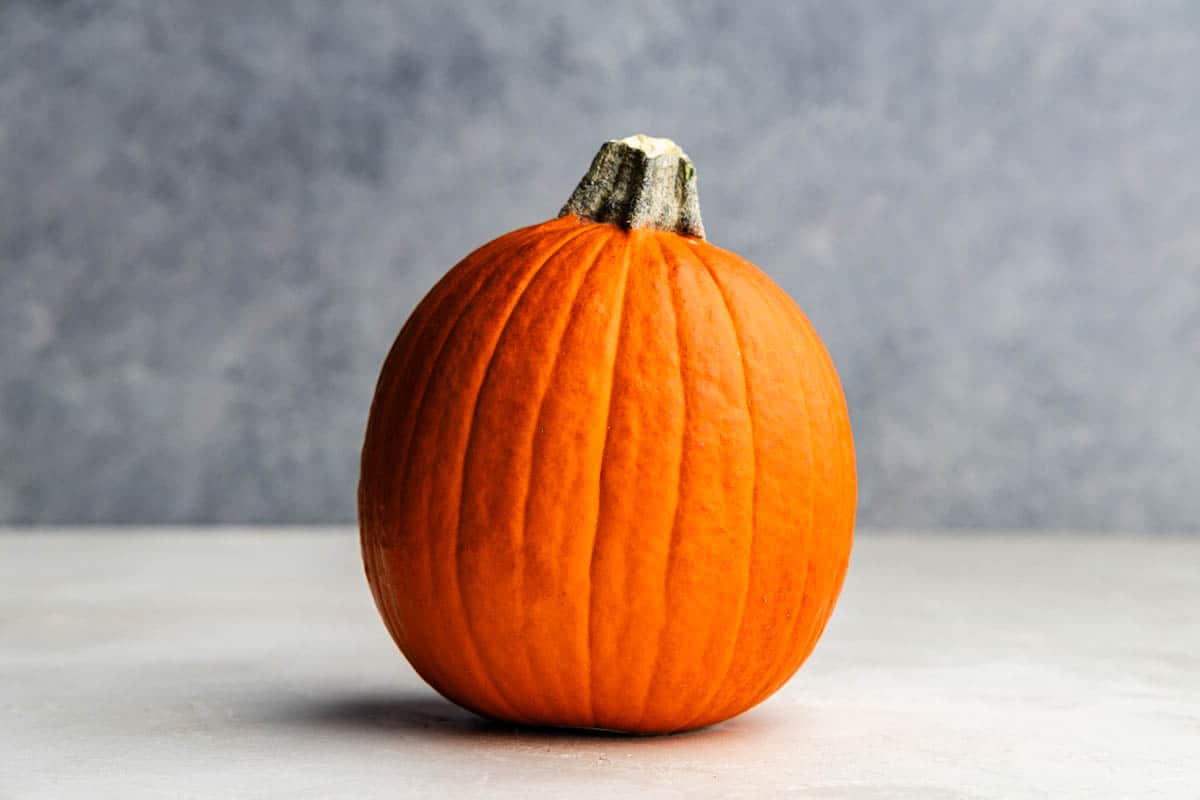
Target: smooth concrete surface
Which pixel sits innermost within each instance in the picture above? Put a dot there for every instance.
(251, 664)
(215, 216)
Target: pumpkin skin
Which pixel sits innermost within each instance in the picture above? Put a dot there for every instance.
(608, 481)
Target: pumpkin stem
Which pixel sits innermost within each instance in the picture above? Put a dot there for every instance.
(640, 182)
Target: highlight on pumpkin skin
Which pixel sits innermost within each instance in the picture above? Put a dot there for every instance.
(608, 476)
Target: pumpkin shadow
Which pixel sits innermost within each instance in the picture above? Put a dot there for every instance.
(435, 717)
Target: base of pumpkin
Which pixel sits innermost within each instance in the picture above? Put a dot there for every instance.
(583, 730)
(576, 730)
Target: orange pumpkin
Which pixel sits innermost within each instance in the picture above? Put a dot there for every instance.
(608, 478)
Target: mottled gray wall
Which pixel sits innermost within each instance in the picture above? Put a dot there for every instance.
(214, 216)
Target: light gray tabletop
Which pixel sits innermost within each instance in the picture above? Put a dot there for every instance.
(251, 664)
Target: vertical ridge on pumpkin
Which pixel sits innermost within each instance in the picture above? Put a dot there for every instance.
(718, 685)
(704, 578)
(784, 458)
(605, 235)
(489, 554)
(488, 270)
(568, 458)
(778, 371)
(817, 548)
(487, 297)
(636, 494)
(671, 542)
(612, 382)
(837, 414)
(772, 676)
(821, 619)
(477, 268)
(397, 364)
(472, 428)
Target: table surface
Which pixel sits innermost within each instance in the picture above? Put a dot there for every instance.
(250, 663)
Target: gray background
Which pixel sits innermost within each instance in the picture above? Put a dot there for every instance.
(215, 216)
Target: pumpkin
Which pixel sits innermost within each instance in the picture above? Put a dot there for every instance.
(608, 478)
